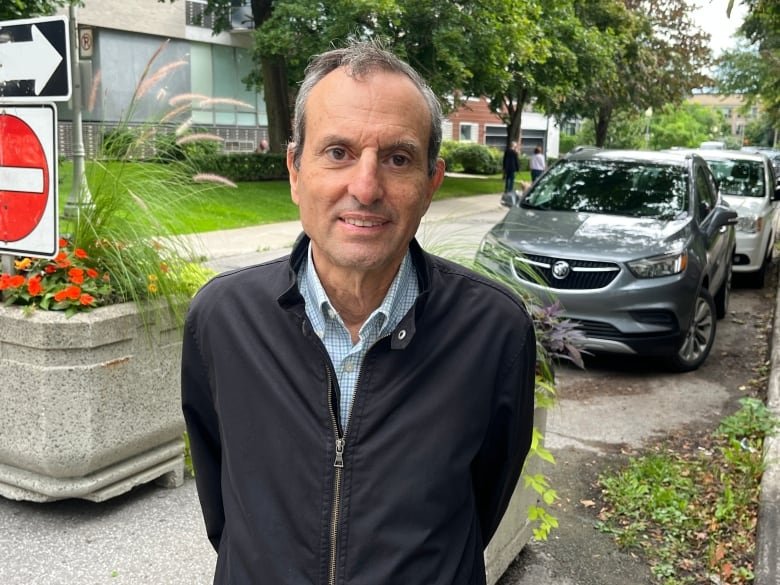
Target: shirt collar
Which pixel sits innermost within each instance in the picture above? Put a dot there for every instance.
(399, 298)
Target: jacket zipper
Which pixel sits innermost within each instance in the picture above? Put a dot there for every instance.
(338, 464)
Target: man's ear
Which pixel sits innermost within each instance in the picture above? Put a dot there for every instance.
(435, 181)
(293, 172)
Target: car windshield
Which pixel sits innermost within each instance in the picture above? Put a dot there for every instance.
(637, 189)
(739, 177)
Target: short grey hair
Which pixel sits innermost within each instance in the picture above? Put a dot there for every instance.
(358, 60)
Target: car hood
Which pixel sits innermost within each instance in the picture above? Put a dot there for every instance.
(746, 205)
(589, 235)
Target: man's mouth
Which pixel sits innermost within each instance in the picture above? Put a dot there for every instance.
(362, 222)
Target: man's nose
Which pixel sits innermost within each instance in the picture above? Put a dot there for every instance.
(365, 184)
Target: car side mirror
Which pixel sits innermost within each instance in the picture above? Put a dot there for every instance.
(721, 216)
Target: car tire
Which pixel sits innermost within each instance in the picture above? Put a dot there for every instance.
(699, 336)
(723, 295)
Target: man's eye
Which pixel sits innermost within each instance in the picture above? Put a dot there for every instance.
(337, 153)
(399, 160)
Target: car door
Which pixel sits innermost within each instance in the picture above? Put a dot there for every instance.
(717, 241)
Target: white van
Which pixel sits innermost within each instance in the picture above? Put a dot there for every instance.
(713, 145)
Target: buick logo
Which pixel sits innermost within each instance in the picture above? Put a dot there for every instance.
(561, 269)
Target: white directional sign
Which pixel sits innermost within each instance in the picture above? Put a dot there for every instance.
(35, 59)
(28, 180)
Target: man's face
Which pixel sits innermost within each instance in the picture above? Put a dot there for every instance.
(363, 184)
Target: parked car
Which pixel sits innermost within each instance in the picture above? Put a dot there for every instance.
(748, 182)
(771, 153)
(636, 245)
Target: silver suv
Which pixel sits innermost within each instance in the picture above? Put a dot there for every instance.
(747, 181)
(636, 245)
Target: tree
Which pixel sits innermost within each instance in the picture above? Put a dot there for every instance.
(13, 9)
(659, 53)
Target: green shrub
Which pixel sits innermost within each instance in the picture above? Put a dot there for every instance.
(476, 159)
(167, 148)
(118, 143)
(244, 166)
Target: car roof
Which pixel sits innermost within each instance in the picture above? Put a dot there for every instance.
(725, 154)
(669, 157)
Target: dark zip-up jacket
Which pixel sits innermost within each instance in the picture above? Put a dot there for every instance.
(439, 429)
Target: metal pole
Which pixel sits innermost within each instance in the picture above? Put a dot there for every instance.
(79, 196)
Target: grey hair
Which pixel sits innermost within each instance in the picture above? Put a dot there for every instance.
(358, 60)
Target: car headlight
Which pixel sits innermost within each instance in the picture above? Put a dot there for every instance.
(750, 224)
(655, 266)
(492, 248)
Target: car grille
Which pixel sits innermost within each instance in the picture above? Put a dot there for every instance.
(580, 274)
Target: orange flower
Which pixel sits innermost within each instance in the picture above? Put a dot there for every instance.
(34, 287)
(15, 281)
(63, 243)
(22, 264)
(86, 299)
(163, 267)
(76, 275)
(80, 253)
(70, 292)
(49, 269)
(92, 273)
(62, 259)
(5, 281)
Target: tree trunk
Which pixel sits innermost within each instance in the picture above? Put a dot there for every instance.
(514, 115)
(277, 103)
(275, 85)
(601, 123)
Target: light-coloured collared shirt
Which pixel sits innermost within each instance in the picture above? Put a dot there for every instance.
(329, 327)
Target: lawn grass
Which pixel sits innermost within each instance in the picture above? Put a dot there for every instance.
(216, 207)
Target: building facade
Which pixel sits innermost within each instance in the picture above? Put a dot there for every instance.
(732, 107)
(143, 62)
(474, 122)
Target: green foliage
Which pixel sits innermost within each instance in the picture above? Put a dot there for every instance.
(13, 9)
(118, 143)
(238, 167)
(690, 508)
(475, 159)
(168, 148)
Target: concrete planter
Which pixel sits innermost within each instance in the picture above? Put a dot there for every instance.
(515, 529)
(90, 404)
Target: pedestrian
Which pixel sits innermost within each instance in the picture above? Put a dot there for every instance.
(510, 165)
(262, 147)
(360, 410)
(537, 163)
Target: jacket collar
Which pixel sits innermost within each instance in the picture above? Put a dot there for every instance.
(291, 298)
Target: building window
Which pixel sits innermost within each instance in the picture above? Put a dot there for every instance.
(495, 136)
(469, 132)
(217, 71)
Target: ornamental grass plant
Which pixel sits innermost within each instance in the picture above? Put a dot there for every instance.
(121, 245)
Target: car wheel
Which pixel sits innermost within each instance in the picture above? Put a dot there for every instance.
(698, 339)
(724, 294)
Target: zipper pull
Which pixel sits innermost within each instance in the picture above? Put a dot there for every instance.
(339, 453)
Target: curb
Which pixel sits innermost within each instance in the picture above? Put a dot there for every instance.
(767, 569)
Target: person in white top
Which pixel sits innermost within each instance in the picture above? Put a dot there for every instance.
(537, 163)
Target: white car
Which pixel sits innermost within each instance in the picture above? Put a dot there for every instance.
(747, 181)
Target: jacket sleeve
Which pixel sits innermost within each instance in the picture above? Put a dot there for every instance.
(202, 426)
(502, 454)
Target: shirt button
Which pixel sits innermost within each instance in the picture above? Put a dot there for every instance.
(349, 366)
(402, 335)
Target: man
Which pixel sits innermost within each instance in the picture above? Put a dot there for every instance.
(359, 411)
(510, 165)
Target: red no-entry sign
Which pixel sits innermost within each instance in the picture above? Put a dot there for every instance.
(28, 185)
